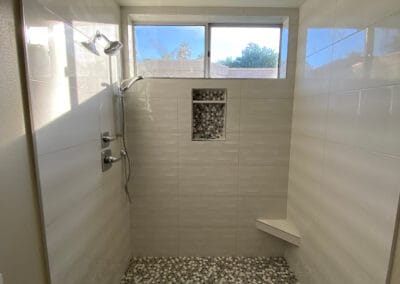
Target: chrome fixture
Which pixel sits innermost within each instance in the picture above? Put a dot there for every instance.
(112, 46)
(107, 159)
(106, 138)
(126, 84)
(105, 166)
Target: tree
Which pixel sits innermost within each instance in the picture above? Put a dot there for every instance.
(253, 56)
(184, 52)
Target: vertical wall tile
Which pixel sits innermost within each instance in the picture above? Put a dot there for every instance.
(217, 183)
(342, 193)
(207, 241)
(85, 211)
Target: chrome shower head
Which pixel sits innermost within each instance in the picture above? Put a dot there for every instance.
(91, 46)
(126, 84)
(112, 46)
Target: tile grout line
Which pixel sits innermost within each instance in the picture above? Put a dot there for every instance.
(178, 102)
(238, 173)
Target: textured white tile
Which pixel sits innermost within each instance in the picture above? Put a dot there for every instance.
(379, 115)
(207, 241)
(309, 115)
(68, 176)
(201, 212)
(154, 211)
(367, 13)
(21, 246)
(313, 74)
(155, 241)
(85, 210)
(48, 121)
(342, 177)
(263, 181)
(265, 116)
(207, 181)
(209, 153)
(317, 29)
(252, 242)
(263, 149)
(154, 180)
(362, 212)
(266, 89)
(148, 114)
(204, 176)
(251, 208)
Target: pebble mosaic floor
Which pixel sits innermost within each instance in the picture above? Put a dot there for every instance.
(273, 270)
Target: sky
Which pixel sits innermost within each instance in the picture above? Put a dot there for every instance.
(230, 41)
(153, 41)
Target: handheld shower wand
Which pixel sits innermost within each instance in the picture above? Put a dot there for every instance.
(125, 86)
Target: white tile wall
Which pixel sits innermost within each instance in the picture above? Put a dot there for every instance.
(86, 213)
(207, 195)
(344, 161)
(202, 198)
(21, 247)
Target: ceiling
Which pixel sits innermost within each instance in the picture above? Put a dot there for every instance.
(212, 3)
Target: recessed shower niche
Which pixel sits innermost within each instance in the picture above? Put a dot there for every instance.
(208, 114)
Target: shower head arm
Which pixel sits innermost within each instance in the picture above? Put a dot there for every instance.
(100, 35)
(127, 83)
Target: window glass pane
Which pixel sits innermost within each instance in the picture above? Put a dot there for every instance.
(244, 52)
(170, 51)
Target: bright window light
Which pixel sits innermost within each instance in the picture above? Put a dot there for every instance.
(245, 52)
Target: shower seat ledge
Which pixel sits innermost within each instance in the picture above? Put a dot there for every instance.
(281, 228)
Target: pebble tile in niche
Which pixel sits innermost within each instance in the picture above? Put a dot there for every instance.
(208, 121)
(209, 94)
(273, 270)
(208, 117)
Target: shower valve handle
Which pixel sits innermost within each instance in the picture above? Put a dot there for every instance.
(106, 139)
(109, 138)
(110, 159)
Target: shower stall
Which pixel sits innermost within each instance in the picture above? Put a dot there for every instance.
(213, 179)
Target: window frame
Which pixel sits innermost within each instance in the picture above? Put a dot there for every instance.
(207, 44)
(174, 25)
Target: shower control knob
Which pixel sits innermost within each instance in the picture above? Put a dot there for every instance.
(111, 159)
(109, 138)
(106, 138)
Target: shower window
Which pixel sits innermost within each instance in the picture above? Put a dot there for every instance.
(244, 52)
(210, 51)
(170, 51)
